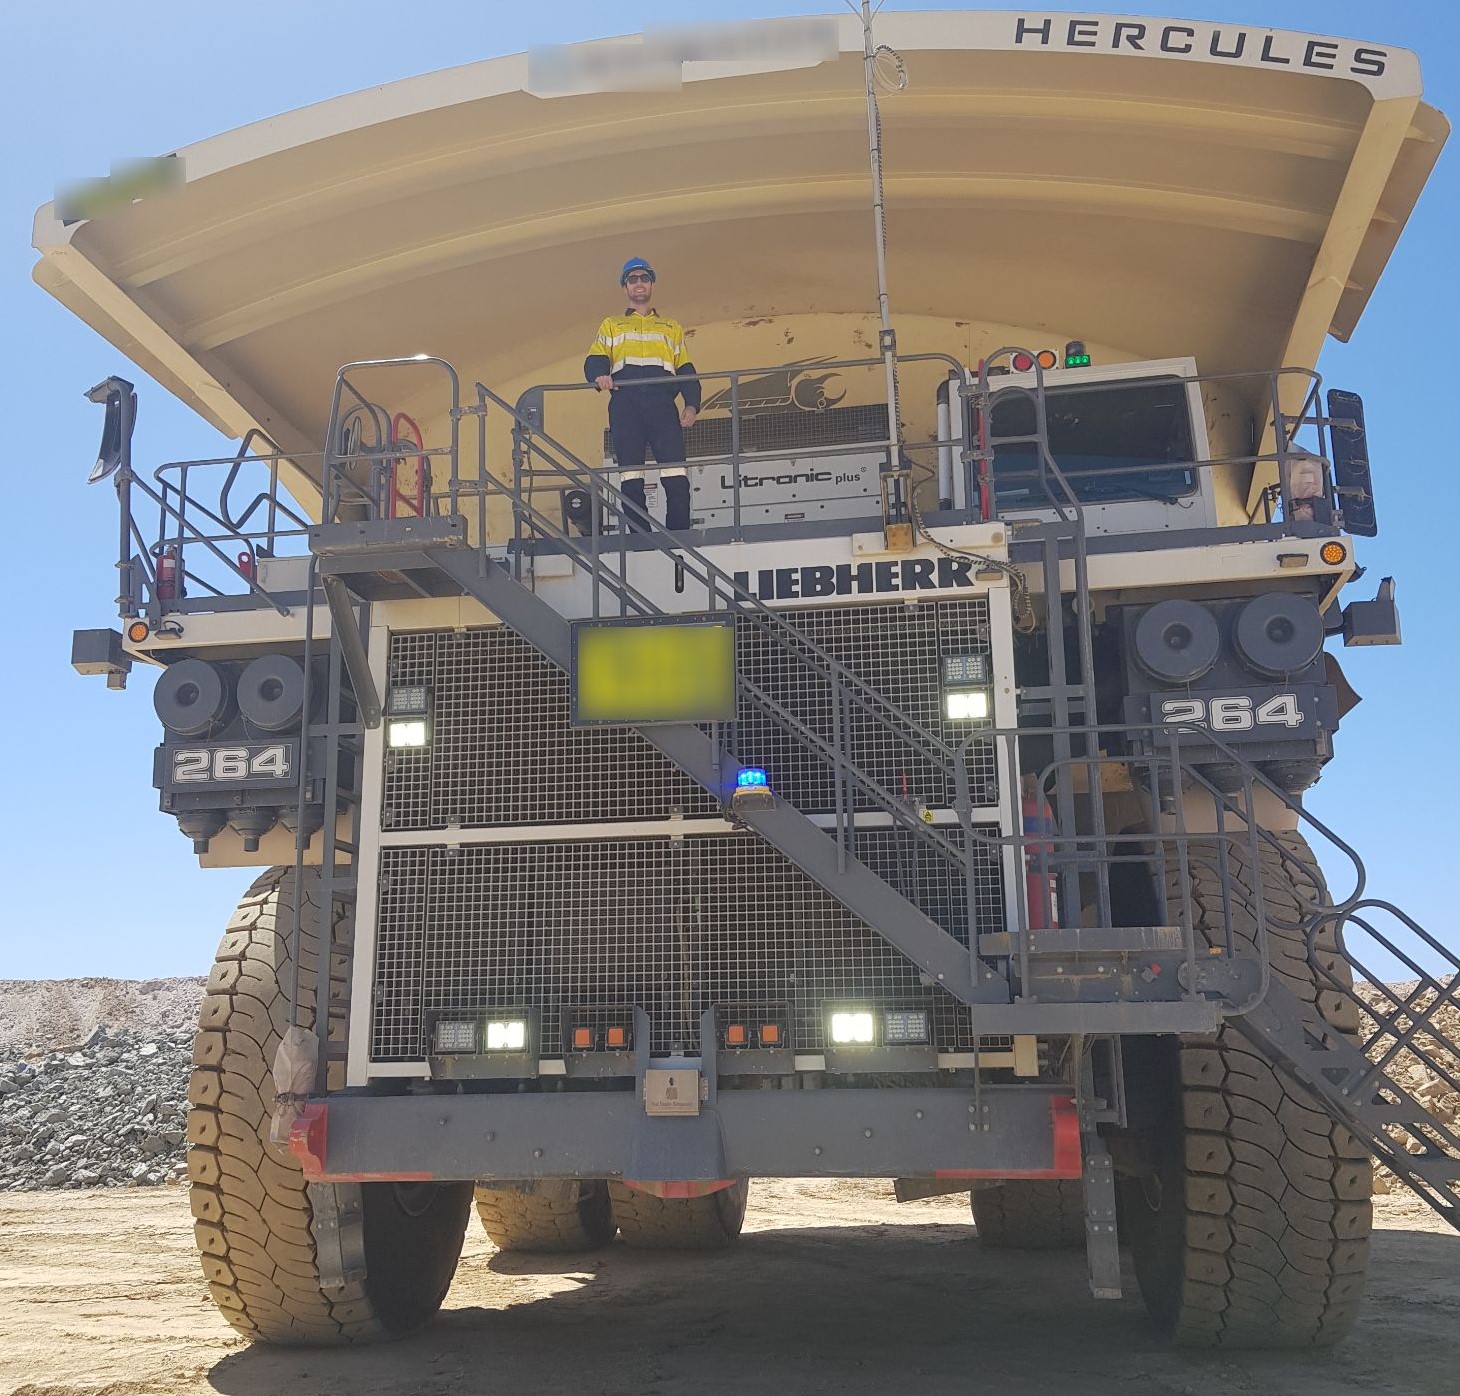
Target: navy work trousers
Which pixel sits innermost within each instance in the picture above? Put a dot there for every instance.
(641, 420)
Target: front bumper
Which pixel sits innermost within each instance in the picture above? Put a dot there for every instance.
(1006, 1131)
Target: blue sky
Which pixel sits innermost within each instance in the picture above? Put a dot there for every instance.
(99, 883)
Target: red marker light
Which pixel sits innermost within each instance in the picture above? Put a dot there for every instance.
(1021, 363)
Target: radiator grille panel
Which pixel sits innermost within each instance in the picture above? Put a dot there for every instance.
(503, 753)
(895, 648)
(675, 926)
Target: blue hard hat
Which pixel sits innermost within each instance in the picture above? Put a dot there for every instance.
(635, 264)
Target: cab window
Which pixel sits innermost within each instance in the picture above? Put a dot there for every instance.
(1113, 442)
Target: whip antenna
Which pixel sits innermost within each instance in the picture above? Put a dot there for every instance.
(883, 67)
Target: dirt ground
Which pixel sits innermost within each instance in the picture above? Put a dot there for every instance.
(835, 1288)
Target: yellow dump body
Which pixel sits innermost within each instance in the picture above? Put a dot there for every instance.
(1154, 188)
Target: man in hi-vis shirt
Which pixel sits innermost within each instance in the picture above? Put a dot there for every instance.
(637, 345)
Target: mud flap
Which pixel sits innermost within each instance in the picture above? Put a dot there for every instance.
(1102, 1240)
(338, 1225)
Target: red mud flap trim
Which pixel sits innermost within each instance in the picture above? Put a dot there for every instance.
(687, 1188)
(308, 1138)
(1067, 1156)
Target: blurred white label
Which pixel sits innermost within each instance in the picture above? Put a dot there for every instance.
(655, 61)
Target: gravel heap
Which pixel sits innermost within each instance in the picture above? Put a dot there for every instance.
(46, 1015)
(94, 1073)
(108, 1112)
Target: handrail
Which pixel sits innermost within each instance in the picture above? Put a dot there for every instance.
(722, 586)
(531, 405)
(704, 569)
(376, 492)
(373, 449)
(823, 665)
(188, 531)
(527, 407)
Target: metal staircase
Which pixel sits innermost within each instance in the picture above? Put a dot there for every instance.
(361, 553)
(1359, 1076)
(372, 556)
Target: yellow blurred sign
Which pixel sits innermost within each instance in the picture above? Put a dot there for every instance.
(654, 673)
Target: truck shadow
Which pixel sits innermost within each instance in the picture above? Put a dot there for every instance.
(915, 1308)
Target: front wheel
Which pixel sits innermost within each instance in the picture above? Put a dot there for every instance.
(1252, 1228)
(255, 1214)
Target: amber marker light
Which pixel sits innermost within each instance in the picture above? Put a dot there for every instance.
(618, 1037)
(770, 1034)
(1048, 359)
(735, 1035)
(1333, 553)
(582, 1039)
(138, 631)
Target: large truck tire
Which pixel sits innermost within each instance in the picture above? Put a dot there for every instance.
(1031, 1214)
(574, 1216)
(707, 1223)
(253, 1209)
(1253, 1231)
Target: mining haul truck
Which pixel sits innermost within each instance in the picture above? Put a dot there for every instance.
(932, 809)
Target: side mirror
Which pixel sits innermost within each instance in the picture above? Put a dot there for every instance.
(1350, 445)
(1373, 622)
(120, 398)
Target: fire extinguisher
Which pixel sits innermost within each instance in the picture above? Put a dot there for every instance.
(1039, 832)
(169, 579)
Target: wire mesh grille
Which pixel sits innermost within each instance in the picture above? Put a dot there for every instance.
(406, 790)
(896, 648)
(674, 926)
(503, 753)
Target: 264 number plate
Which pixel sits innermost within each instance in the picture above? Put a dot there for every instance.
(248, 764)
(1238, 713)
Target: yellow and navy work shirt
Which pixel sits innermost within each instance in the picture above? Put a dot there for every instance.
(642, 345)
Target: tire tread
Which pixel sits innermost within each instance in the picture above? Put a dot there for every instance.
(707, 1223)
(1269, 1182)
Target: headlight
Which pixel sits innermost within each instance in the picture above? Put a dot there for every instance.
(966, 704)
(405, 732)
(507, 1035)
(853, 1027)
(408, 715)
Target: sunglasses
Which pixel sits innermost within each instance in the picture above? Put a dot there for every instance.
(637, 278)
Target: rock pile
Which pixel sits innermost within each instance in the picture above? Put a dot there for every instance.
(45, 1015)
(109, 1112)
(112, 1110)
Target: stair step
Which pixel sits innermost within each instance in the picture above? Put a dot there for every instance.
(1290, 1033)
(1433, 1168)
(1071, 941)
(357, 541)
